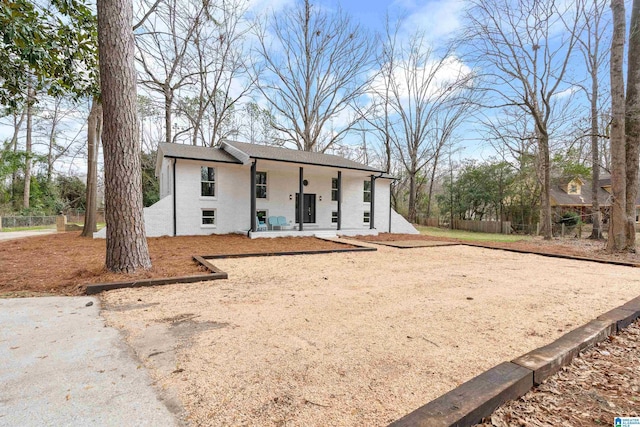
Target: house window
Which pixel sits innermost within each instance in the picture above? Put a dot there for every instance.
(207, 181)
(334, 217)
(573, 189)
(261, 185)
(209, 217)
(367, 191)
(334, 189)
(367, 217)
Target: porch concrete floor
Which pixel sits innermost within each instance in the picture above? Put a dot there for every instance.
(310, 232)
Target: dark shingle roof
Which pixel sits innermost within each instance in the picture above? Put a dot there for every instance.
(562, 198)
(280, 154)
(193, 152)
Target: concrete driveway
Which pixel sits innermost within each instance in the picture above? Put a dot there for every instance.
(60, 365)
(10, 235)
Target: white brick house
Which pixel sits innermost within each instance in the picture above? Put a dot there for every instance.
(245, 188)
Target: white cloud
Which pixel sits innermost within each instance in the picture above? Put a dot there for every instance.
(261, 6)
(437, 18)
(446, 73)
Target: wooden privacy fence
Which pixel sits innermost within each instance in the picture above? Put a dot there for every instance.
(483, 226)
(430, 222)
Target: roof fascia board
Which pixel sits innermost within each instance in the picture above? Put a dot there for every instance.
(203, 160)
(315, 164)
(235, 152)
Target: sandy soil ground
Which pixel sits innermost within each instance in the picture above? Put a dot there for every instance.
(356, 338)
(602, 384)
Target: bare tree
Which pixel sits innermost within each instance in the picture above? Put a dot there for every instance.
(419, 101)
(377, 115)
(591, 43)
(257, 126)
(316, 65)
(163, 40)
(127, 249)
(525, 48)
(94, 135)
(54, 129)
(18, 115)
(224, 65)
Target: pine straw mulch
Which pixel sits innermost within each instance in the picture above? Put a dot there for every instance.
(601, 384)
(585, 248)
(64, 263)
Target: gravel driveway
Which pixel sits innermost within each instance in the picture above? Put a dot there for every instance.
(357, 338)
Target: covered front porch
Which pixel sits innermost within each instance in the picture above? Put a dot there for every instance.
(289, 199)
(313, 232)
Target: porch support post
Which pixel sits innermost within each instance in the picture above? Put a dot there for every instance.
(300, 199)
(173, 190)
(339, 200)
(373, 203)
(253, 196)
(391, 183)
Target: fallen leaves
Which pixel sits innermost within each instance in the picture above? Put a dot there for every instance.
(596, 387)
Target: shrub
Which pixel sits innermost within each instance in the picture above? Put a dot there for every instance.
(569, 219)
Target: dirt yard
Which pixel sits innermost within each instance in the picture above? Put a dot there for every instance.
(64, 263)
(355, 338)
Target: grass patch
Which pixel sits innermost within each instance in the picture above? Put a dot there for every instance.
(470, 235)
(35, 227)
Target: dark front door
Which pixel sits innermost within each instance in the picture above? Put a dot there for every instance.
(308, 208)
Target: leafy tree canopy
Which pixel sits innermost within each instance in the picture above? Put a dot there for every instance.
(54, 43)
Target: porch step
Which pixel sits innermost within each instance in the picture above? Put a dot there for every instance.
(325, 233)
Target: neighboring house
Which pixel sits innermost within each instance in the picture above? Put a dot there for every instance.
(256, 189)
(576, 195)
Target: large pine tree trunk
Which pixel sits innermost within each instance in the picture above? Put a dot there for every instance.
(616, 239)
(632, 125)
(94, 125)
(127, 249)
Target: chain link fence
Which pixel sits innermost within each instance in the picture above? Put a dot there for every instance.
(27, 221)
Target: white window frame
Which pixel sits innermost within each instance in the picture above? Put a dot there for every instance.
(265, 185)
(366, 217)
(365, 191)
(215, 217)
(215, 187)
(334, 191)
(334, 215)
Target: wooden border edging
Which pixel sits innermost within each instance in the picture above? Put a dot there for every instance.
(520, 251)
(473, 400)
(436, 245)
(313, 252)
(216, 274)
(99, 287)
(470, 402)
(552, 255)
